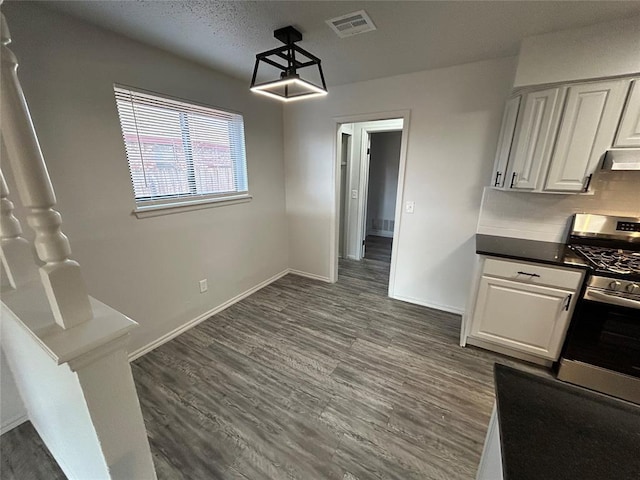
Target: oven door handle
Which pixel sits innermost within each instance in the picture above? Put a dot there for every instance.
(597, 296)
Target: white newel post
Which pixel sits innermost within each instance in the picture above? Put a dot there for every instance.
(61, 276)
(83, 405)
(15, 252)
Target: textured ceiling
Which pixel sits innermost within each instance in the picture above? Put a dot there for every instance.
(410, 36)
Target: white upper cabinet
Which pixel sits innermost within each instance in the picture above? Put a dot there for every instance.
(505, 141)
(535, 134)
(553, 140)
(629, 131)
(589, 121)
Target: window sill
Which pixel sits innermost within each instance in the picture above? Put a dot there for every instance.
(146, 211)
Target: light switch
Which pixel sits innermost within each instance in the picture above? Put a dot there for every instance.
(354, 193)
(409, 207)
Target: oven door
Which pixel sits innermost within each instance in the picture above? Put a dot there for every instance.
(605, 335)
(602, 350)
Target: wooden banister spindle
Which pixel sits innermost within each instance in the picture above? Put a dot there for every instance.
(15, 252)
(60, 275)
(9, 224)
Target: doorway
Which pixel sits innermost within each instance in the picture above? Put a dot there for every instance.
(370, 157)
(380, 209)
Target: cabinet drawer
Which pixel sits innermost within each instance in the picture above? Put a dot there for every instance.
(533, 273)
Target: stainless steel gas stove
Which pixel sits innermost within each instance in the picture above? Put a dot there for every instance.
(617, 277)
(602, 349)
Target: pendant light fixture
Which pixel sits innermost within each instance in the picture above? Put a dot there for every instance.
(289, 59)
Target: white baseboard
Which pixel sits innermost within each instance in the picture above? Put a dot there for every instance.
(436, 306)
(12, 423)
(312, 276)
(201, 318)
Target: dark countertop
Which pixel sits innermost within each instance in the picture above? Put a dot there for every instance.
(551, 430)
(549, 253)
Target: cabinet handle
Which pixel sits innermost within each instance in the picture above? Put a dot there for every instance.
(513, 179)
(498, 175)
(568, 302)
(532, 275)
(587, 182)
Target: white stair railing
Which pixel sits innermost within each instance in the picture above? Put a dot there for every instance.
(61, 276)
(67, 351)
(15, 252)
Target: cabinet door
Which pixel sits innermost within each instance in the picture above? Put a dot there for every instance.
(528, 318)
(589, 123)
(534, 138)
(629, 131)
(505, 141)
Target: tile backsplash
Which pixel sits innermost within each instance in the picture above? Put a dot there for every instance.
(541, 216)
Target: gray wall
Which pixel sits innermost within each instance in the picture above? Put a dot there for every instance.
(384, 163)
(12, 410)
(147, 268)
(453, 129)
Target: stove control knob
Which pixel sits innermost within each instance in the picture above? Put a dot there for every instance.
(615, 285)
(633, 288)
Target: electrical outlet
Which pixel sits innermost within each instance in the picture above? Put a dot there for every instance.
(409, 207)
(203, 285)
(354, 193)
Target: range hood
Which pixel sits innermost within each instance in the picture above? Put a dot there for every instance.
(622, 159)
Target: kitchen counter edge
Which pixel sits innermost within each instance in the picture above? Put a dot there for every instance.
(548, 253)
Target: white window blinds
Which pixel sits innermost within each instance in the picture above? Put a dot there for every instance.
(178, 150)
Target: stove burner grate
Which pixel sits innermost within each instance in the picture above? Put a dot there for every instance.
(622, 262)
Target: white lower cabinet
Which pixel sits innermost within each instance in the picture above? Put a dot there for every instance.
(528, 318)
(524, 307)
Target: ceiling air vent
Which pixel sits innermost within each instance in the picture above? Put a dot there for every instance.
(351, 24)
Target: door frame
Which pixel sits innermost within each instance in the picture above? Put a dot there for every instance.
(393, 125)
(343, 130)
(335, 213)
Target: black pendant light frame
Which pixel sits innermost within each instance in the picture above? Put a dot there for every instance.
(289, 70)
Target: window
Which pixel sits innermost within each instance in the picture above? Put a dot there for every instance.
(181, 154)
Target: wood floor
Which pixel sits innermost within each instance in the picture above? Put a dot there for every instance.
(307, 380)
(378, 248)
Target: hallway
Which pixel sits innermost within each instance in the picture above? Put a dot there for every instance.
(378, 248)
